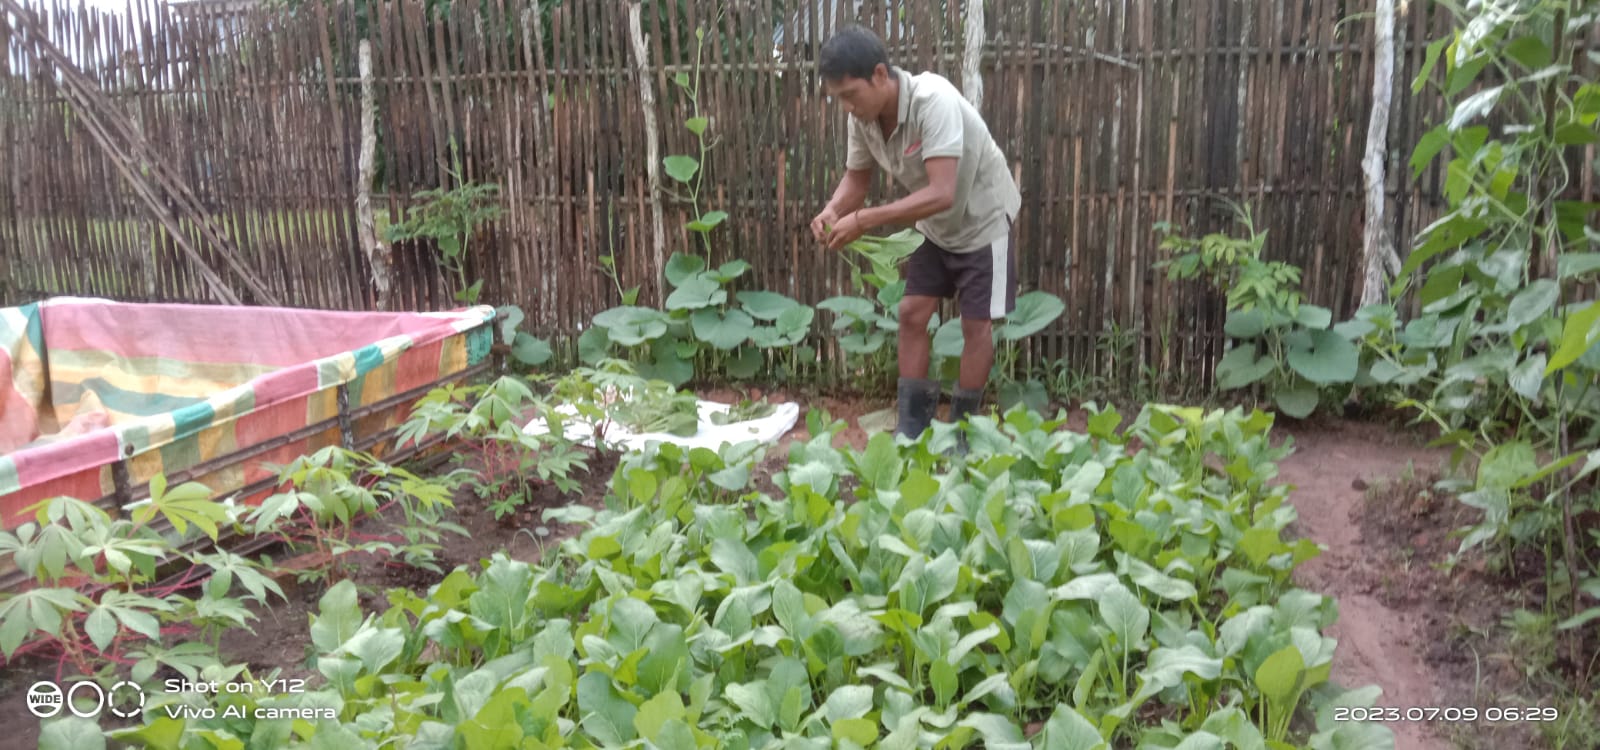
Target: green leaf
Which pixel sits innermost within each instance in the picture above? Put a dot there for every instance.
(375, 647)
(338, 618)
(1034, 311)
(681, 267)
(1125, 615)
(881, 466)
(696, 125)
(101, 627)
(34, 609)
(1580, 619)
(862, 732)
(745, 364)
(1241, 367)
(1280, 677)
(948, 341)
(631, 326)
(1313, 316)
(681, 168)
(655, 713)
(71, 733)
(848, 702)
(1505, 464)
(607, 716)
(1428, 147)
(722, 331)
(1167, 667)
(765, 305)
(708, 222)
(1527, 378)
(594, 344)
(1330, 358)
(696, 293)
(1581, 332)
(1475, 106)
(1297, 401)
(753, 701)
(1530, 51)
(1158, 583)
(1069, 730)
(1245, 324)
(1532, 303)
(1577, 264)
(531, 350)
(1429, 61)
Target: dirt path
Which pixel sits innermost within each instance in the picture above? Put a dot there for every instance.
(1378, 645)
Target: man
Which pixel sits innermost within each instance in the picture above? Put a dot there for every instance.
(962, 199)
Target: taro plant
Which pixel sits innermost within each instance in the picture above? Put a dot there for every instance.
(1290, 348)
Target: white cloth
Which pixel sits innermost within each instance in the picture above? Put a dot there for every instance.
(710, 435)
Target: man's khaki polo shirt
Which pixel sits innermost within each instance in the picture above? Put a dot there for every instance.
(936, 120)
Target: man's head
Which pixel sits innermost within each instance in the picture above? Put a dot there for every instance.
(856, 71)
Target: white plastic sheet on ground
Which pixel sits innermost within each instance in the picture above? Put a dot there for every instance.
(710, 435)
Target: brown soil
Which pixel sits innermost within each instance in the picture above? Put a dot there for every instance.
(1379, 644)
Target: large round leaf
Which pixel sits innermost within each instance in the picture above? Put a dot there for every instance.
(1313, 316)
(856, 343)
(681, 268)
(681, 168)
(794, 324)
(745, 364)
(948, 341)
(594, 345)
(849, 308)
(729, 271)
(531, 350)
(722, 331)
(765, 305)
(693, 294)
(1297, 401)
(1328, 359)
(631, 326)
(1241, 367)
(1035, 310)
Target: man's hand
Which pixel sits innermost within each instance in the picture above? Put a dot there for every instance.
(846, 231)
(824, 221)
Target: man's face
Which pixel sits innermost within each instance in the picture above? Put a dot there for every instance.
(862, 98)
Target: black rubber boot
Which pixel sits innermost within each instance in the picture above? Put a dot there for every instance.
(963, 403)
(918, 397)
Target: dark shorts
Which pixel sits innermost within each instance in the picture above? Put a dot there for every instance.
(984, 281)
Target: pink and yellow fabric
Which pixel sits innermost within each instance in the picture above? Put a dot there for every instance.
(89, 382)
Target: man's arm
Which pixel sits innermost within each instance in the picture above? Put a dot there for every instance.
(852, 191)
(937, 196)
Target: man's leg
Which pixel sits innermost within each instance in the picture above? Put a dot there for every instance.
(977, 352)
(915, 312)
(988, 290)
(927, 280)
(918, 396)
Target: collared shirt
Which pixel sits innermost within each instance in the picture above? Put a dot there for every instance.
(936, 120)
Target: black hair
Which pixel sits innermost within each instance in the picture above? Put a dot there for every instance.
(854, 52)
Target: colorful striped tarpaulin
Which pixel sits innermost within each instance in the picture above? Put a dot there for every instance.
(90, 382)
